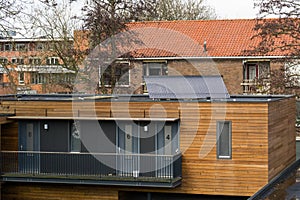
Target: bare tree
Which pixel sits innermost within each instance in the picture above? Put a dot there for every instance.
(183, 10)
(56, 22)
(280, 34)
(106, 18)
(9, 11)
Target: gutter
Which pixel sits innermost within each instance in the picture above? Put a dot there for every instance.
(205, 58)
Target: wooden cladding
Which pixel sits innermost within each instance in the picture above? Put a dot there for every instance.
(262, 136)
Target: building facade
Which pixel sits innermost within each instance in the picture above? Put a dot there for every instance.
(172, 48)
(34, 65)
(121, 147)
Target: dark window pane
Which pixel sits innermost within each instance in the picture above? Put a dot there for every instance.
(224, 139)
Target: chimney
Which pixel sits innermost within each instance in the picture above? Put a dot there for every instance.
(204, 46)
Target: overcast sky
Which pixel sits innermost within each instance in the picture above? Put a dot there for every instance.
(233, 9)
(225, 9)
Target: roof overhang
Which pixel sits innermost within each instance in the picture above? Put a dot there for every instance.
(206, 58)
(44, 69)
(92, 118)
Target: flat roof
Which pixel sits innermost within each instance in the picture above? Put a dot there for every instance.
(137, 98)
(95, 118)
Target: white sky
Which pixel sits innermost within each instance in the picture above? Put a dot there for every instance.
(225, 9)
(233, 9)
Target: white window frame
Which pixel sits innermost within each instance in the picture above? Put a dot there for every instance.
(53, 60)
(21, 78)
(147, 67)
(219, 154)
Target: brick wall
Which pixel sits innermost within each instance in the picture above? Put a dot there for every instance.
(231, 70)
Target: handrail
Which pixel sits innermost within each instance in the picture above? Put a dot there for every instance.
(95, 153)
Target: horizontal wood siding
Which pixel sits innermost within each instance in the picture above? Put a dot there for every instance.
(9, 136)
(202, 172)
(31, 191)
(282, 134)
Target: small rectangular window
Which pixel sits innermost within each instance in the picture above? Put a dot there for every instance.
(75, 137)
(224, 139)
(39, 47)
(7, 47)
(121, 75)
(52, 61)
(35, 61)
(155, 69)
(19, 61)
(3, 61)
(20, 47)
(21, 78)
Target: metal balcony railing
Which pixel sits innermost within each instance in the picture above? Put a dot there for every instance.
(98, 168)
(255, 86)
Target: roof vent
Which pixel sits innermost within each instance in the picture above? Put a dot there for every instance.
(204, 46)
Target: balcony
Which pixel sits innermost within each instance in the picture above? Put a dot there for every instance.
(253, 86)
(148, 170)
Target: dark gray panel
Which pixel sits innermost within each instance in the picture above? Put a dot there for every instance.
(186, 87)
(55, 138)
(98, 136)
(147, 138)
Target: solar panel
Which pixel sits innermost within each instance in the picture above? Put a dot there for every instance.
(186, 87)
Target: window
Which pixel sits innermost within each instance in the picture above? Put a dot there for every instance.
(61, 78)
(19, 61)
(52, 61)
(37, 78)
(7, 47)
(21, 78)
(39, 47)
(121, 76)
(75, 142)
(254, 70)
(155, 69)
(3, 61)
(35, 61)
(224, 140)
(20, 47)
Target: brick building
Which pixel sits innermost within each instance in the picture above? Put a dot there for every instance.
(213, 47)
(33, 65)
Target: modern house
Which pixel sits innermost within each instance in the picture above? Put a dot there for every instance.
(172, 48)
(33, 65)
(190, 142)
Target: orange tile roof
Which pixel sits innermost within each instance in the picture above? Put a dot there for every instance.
(224, 38)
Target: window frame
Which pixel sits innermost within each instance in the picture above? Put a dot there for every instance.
(162, 66)
(52, 60)
(20, 47)
(38, 78)
(3, 60)
(102, 75)
(17, 61)
(21, 78)
(35, 61)
(8, 47)
(218, 142)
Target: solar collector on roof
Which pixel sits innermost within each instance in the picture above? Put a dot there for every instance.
(186, 87)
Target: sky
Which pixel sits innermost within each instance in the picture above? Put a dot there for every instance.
(233, 9)
(229, 9)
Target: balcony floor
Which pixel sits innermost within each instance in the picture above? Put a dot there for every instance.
(94, 180)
